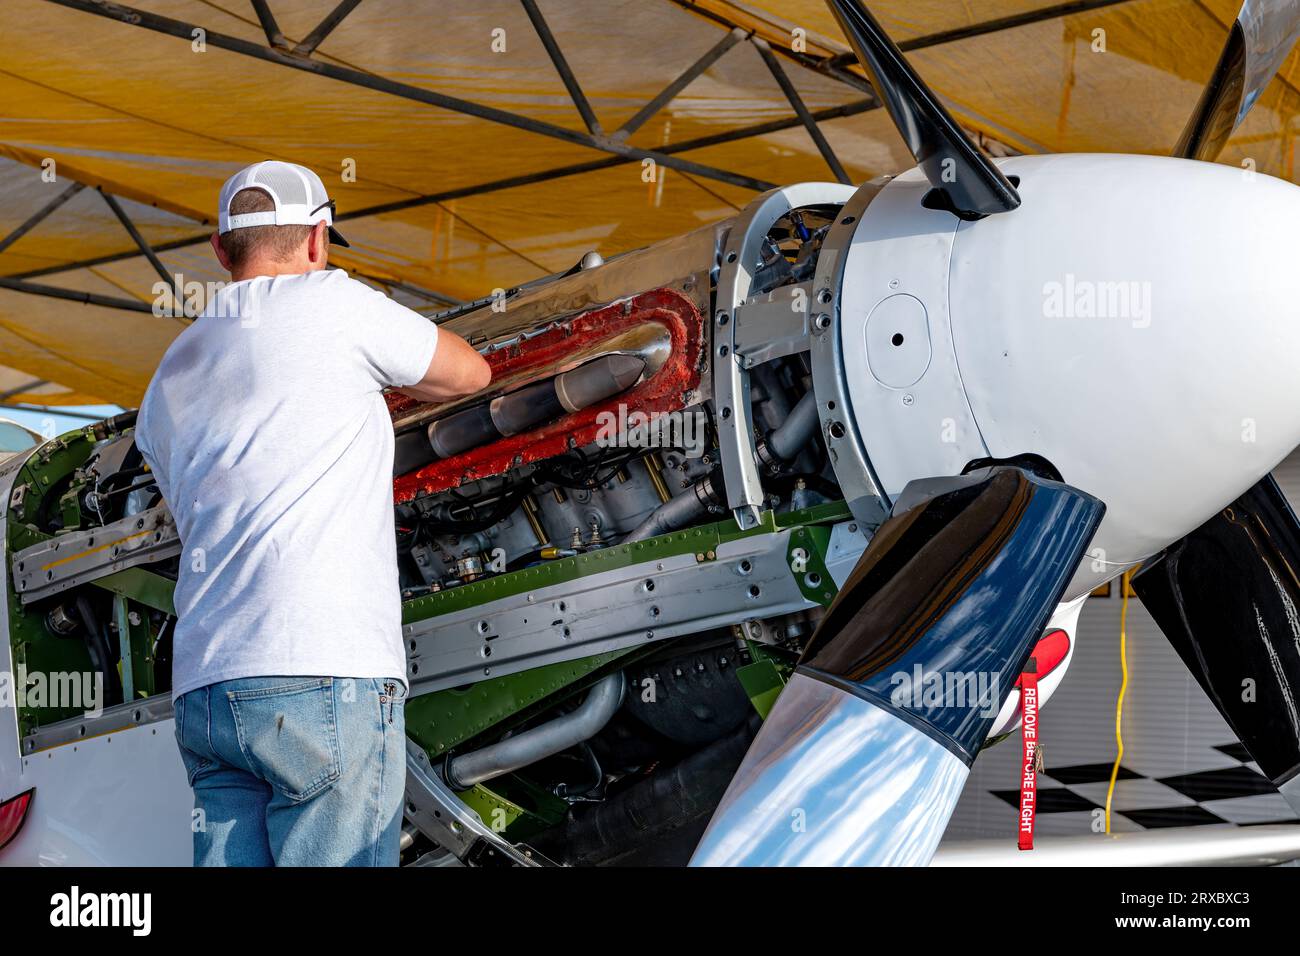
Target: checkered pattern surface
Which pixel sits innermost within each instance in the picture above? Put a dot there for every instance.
(1182, 765)
(1234, 794)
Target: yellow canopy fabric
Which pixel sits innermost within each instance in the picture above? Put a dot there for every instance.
(442, 206)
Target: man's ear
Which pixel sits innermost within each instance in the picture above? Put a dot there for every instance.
(221, 254)
(318, 244)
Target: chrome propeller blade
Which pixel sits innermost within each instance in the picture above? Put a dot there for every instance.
(1260, 39)
(864, 754)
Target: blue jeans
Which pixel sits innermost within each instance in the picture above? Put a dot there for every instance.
(295, 771)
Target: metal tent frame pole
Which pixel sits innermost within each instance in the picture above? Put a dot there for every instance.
(796, 101)
(323, 29)
(36, 217)
(836, 66)
(182, 30)
(683, 80)
(299, 57)
(74, 295)
(497, 185)
(562, 67)
(269, 26)
(20, 282)
(139, 240)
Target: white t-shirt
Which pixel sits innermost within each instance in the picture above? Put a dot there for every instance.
(267, 429)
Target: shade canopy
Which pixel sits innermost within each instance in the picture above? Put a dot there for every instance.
(476, 146)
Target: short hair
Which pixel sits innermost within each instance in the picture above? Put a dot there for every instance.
(280, 242)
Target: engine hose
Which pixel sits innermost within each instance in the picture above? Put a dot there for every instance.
(100, 650)
(789, 438)
(568, 791)
(540, 742)
(676, 512)
(438, 519)
(114, 425)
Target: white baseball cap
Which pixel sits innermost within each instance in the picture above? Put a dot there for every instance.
(299, 196)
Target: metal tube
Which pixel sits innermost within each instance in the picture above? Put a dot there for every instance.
(669, 92)
(40, 214)
(796, 102)
(790, 437)
(1178, 846)
(529, 508)
(272, 54)
(123, 621)
(822, 65)
(674, 513)
(139, 240)
(86, 298)
(654, 468)
(562, 66)
(996, 26)
(539, 742)
(497, 185)
(407, 839)
(547, 175)
(323, 29)
(25, 387)
(272, 29)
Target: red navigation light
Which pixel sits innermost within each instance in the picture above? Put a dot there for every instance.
(12, 814)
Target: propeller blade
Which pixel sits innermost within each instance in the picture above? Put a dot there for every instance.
(861, 761)
(972, 185)
(1260, 39)
(1226, 597)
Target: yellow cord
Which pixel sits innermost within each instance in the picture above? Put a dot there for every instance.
(1123, 686)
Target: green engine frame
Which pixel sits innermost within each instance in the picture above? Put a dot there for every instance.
(440, 721)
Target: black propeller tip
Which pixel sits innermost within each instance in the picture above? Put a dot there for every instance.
(965, 179)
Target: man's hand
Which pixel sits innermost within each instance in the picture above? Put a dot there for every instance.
(456, 371)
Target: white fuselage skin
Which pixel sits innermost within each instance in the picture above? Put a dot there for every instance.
(1132, 322)
(117, 799)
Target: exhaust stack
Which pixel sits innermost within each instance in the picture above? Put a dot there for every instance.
(525, 408)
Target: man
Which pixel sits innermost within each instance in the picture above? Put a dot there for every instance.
(266, 427)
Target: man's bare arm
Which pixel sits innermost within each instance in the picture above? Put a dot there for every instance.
(456, 370)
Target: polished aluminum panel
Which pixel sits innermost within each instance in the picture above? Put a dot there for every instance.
(1258, 43)
(683, 262)
(625, 606)
(832, 780)
(67, 560)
